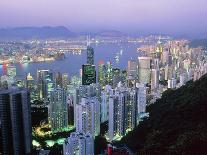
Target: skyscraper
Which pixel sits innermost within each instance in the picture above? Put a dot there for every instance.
(58, 110)
(15, 122)
(65, 81)
(122, 112)
(44, 77)
(154, 80)
(109, 73)
(144, 69)
(88, 74)
(132, 69)
(101, 73)
(90, 55)
(31, 86)
(88, 116)
(79, 144)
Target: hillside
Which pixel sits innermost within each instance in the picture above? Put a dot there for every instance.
(23, 33)
(177, 123)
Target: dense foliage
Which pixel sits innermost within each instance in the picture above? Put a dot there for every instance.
(177, 123)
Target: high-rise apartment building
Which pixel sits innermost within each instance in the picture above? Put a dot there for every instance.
(58, 110)
(15, 122)
(79, 144)
(88, 116)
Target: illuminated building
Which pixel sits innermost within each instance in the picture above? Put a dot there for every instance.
(88, 116)
(44, 80)
(79, 144)
(165, 57)
(15, 122)
(105, 95)
(90, 55)
(182, 79)
(30, 85)
(159, 49)
(141, 98)
(58, 110)
(132, 69)
(58, 79)
(155, 80)
(11, 71)
(65, 81)
(70, 105)
(88, 74)
(122, 112)
(109, 73)
(144, 69)
(6, 81)
(101, 73)
(172, 83)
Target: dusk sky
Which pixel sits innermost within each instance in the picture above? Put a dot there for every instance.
(178, 17)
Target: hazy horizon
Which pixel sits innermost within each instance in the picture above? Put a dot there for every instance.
(178, 17)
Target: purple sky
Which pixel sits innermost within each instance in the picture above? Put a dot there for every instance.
(151, 16)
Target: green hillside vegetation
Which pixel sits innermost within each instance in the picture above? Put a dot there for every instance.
(177, 124)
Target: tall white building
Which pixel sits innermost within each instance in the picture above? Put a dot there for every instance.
(105, 95)
(155, 80)
(88, 116)
(58, 110)
(79, 144)
(144, 69)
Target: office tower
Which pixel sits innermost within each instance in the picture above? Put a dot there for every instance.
(58, 79)
(44, 79)
(144, 69)
(109, 73)
(88, 74)
(15, 122)
(30, 85)
(122, 112)
(11, 71)
(88, 116)
(58, 110)
(70, 105)
(90, 55)
(132, 69)
(155, 80)
(65, 81)
(101, 73)
(141, 98)
(105, 95)
(79, 144)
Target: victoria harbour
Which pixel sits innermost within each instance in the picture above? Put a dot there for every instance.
(117, 53)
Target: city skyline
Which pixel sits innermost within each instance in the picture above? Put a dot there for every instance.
(178, 18)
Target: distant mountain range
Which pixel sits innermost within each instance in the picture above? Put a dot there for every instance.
(23, 33)
(47, 32)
